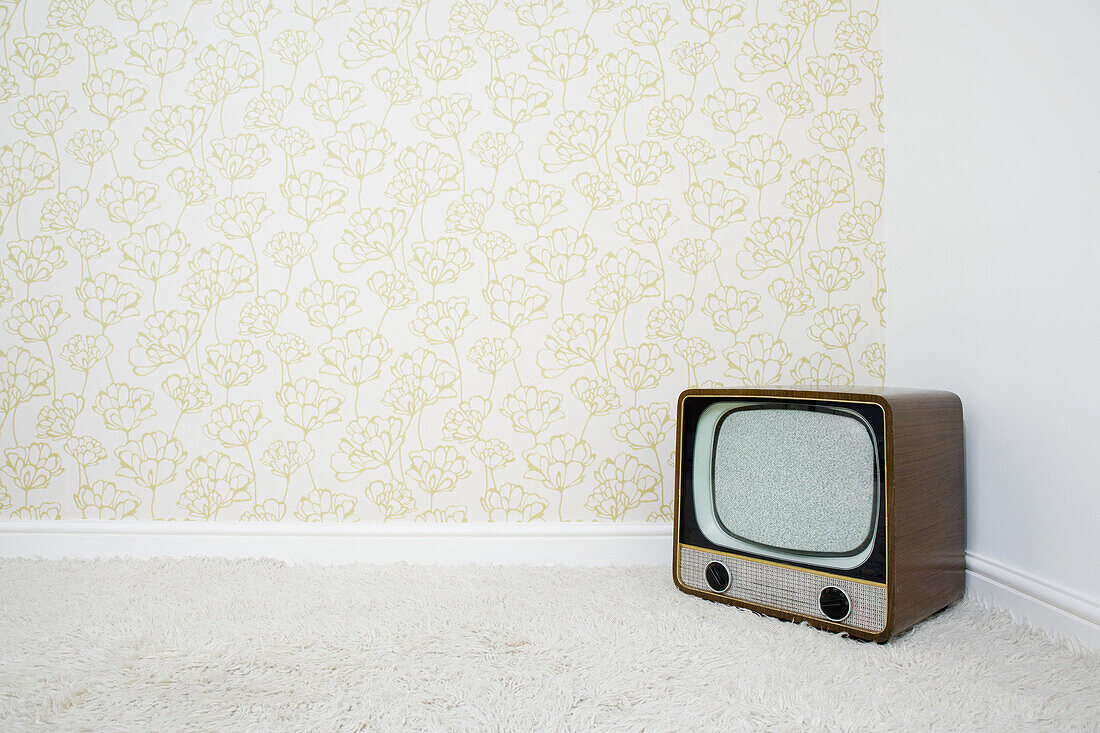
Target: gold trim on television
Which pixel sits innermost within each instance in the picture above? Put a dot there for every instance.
(805, 396)
(799, 568)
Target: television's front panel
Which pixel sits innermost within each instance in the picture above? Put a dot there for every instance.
(781, 506)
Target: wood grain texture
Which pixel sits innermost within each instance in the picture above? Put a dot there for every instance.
(925, 464)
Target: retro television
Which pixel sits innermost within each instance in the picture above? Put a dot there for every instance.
(841, 508)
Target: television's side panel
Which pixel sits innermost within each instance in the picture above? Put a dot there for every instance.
(925, 460)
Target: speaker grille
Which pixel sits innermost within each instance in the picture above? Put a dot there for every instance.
(785, 589)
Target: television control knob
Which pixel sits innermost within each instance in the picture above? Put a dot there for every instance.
(718, 577)
(834, 603)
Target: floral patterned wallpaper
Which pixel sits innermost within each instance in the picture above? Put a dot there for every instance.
(328, 260)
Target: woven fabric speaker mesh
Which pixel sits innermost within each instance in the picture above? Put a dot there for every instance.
(786, 589)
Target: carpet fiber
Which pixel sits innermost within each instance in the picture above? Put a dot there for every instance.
(258, 645)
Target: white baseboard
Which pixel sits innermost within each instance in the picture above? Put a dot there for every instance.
(558, 543)
(1047, 606)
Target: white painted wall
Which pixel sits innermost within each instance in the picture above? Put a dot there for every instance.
(993, 224)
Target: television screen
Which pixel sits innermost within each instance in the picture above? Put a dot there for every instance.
(788, 481)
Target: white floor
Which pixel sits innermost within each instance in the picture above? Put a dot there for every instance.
(252, 645)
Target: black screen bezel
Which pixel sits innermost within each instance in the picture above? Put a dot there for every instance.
(873, 569)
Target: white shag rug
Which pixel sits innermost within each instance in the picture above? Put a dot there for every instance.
(258, 645)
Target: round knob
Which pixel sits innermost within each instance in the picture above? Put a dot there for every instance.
(718, 577)
(834, 603)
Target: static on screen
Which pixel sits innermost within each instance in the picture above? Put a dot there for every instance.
(793, 479)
